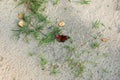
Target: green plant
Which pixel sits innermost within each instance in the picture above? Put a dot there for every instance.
(35, 21)
(70, 48)
(79, 70)
(97, 24)
(54, 69)
(34, 25)
(105, 55)
(55, 2)
(97, 36)
(105, 70)
(43, 61)
(76, 67)
(34, 5)
(35, 17)
(24, 30)
(82, 53)
(93, 63)
(31, 53)
(85, 2)
(65, 8)
(50, 36)
(95, 45)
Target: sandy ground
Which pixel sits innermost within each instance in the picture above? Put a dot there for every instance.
(16, 64)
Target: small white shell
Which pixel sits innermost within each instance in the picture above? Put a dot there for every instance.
(21, 23)
(61, 24)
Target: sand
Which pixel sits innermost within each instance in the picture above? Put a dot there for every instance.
(16, 64)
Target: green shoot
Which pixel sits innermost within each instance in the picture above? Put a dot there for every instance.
(76, 67)
(43, 61)
(105, 70)
(31, 53)
(95, 45)
(85, 2)
(97, 36)
(1, 58)
(55, 2)
(32, 5)
(105, 55)
(69, 48)
(54, 69)
(37, 16)
(97, 24)
(50, 37)
(25, 30)
(79, 70)
(93, 63)
(69, 0)
(65, 8)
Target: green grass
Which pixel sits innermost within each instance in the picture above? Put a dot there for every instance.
(50, 36)
(65, 8)
(26, 31)
(97, 24)
(105, 70)
(95, 45)
(79, 70)
(43, 61)
(55, 2)
(76, 67)
(70, 48)
(93, 63)
(97, 36)
(35, 23)
(31, 53)
(105, 55)
(34, 19)
(54, 69)
(85, 2)
(22, 30)
(34, 6)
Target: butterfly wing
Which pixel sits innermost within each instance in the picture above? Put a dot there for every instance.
(64, 38)
(58, 38)
(61, 38)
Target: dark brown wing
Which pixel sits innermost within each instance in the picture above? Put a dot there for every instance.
(62, 38)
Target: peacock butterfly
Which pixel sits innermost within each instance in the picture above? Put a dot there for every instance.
(62, 38)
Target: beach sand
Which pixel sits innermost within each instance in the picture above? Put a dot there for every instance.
(16, 64)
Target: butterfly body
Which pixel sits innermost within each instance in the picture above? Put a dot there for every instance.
(62, 38)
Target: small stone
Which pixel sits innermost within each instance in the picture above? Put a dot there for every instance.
(21, 15)
(21, 23)
(1, 58)
(104, 40)
(61, 24)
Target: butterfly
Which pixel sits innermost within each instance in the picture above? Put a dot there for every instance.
(62, 38)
